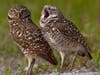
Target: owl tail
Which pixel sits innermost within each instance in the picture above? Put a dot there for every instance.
(86, 53)
(50, 58)
(89, 55)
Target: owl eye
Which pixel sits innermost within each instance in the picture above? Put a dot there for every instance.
(25, 15)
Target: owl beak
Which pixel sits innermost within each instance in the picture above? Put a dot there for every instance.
(46, 13)
(9, 17)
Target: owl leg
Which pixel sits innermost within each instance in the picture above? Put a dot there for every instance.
(30, 66)
(62, 54)
(73, 60)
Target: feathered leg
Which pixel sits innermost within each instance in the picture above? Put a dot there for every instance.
(62, 54)
(30, 66)
(73, 61)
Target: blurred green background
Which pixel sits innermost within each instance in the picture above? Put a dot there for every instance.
(84, 13)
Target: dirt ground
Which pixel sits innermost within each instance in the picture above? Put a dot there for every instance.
(74, 73)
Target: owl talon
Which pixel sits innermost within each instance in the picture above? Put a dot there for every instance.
(26, 68)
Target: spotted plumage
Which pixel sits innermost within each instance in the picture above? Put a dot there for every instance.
(28, 36)
(62, 34)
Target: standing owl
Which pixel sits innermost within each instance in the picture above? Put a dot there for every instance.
(28, 37)
(62, 34)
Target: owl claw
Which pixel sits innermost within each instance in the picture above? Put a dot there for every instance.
(26, 68)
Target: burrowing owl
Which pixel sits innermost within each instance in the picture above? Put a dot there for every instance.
(28, 36)
(62, 34)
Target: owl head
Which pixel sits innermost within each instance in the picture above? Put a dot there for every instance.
(18, 12)
(49, 13)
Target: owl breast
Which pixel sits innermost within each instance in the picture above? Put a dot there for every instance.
(55, 38)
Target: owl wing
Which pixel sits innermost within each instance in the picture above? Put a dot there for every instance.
(45, 50)
(69, 30)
